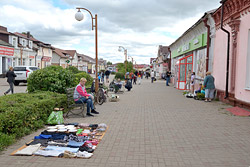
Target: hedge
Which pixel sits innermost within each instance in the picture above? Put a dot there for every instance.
(22, 113)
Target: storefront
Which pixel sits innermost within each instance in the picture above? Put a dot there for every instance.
(6, 55)
(190, 56)
(185, 64)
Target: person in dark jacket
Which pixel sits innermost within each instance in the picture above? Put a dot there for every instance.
(10, 79)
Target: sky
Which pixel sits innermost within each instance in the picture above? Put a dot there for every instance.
(139, 26)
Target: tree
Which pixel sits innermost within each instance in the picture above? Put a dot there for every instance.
(109, 63)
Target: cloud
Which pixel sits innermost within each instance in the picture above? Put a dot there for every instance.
(139, 26)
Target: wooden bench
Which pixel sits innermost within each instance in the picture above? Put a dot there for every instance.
(71, 104)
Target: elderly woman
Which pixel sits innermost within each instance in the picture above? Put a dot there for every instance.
(209, 87)
(81, 96)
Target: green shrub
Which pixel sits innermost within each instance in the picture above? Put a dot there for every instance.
(113, 72)
(6, 140)
(119, 75)
(22, 113)
(83, 75)
(73, 69)
(200, 96)
(53, 78)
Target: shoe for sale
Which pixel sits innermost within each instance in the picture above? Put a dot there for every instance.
(94, 111)
(83, 154)
(68, 154)
(86, 148)
(88, 114)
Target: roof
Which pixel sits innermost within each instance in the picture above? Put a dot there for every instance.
(25, 36)
(71, 52)
(61, 53)
(5, 43)
(3, 30)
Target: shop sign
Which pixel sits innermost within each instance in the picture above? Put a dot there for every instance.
(185, 47)
(6, 51)
(196, 41)
(46, 58)
(31, 57)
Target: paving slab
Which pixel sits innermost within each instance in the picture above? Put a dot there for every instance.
(155, 125)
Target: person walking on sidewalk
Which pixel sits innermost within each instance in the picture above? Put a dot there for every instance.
(81, 96)
(10, 79)
(209, 87)
(168, 75)
(152, 76)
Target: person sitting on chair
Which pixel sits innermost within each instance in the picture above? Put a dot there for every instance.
(81, 96)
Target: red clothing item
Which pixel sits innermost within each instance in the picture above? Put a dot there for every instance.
(82, 91)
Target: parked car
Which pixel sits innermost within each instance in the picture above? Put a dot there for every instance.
(22, 73)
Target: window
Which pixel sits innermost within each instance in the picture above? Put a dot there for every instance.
(23, 62)
(14, 62)
(248, 63)
(19, 61)
(30, 44)
(30, 62)
(14, 42)
(24, 42)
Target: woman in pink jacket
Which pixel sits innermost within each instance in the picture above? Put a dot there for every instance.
(81, 96)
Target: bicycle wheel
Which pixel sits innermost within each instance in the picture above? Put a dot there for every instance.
(100, 97)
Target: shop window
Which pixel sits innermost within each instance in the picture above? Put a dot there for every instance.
(248, 63)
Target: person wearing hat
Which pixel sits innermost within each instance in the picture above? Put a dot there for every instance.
(81, 96)
(209, 87)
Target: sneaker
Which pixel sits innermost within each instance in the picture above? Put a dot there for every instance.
(68, 154)
(86, 148)
(94, 111)
(83, 154)
(88, 114)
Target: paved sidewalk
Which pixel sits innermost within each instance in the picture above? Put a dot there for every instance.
(154, 125)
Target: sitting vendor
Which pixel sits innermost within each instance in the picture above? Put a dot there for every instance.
(119, 83)
(200, 89)
(81, 96)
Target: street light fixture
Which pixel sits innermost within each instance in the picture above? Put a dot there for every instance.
(125, 54)
(79, 17)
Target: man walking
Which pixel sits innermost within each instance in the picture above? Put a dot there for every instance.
(168, 75)
(152, 76)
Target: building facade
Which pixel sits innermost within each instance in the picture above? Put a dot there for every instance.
(236, 20)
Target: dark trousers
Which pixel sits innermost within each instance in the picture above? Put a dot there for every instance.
(10, 89)
(152, 79)
(88, 101)
(167, 81)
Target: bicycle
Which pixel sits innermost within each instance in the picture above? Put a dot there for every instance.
(100, 95)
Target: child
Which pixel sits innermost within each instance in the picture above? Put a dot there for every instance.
(200, 88)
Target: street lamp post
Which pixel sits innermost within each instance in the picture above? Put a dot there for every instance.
(125, 54)
(79, 17)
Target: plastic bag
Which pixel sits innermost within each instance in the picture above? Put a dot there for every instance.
(56, 117)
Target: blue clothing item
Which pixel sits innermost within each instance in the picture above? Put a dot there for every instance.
(88, 101)
(41, 136)
(58, 136)
(167, 81)
(209, 82)
(57, 148)
(75, 144)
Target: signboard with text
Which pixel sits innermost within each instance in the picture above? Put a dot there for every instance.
(6, 51)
